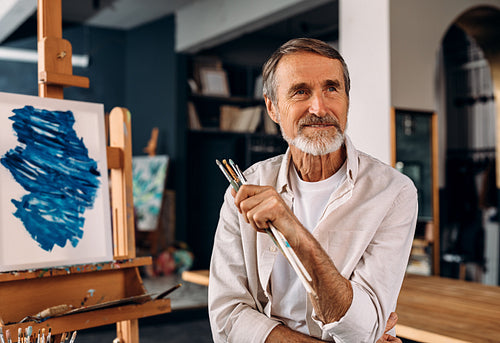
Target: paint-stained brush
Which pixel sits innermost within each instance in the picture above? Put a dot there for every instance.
(73, 337)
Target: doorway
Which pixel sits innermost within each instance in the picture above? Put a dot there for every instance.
(469, 207)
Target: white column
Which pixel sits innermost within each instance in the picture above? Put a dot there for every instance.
(364, 43)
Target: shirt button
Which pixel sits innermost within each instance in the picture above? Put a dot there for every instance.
(273, 249)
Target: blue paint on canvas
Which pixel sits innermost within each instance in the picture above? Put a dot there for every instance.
(52, 164)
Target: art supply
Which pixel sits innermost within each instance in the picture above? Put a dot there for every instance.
(7, 336)
(49, 335)
(1, 335)
(19, 334)
(168, 291)
(73, 337)
(236, 178)
(29, 331)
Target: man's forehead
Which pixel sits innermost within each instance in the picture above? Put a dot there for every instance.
(306, 67)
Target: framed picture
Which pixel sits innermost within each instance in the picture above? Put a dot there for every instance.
(214, 82)
(54, 194)
(149, 177)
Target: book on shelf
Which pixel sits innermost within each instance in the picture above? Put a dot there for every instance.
(193, 119)
(233, 118)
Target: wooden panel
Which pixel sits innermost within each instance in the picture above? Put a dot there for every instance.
(196, 276)
(21, 298)
(393, 137)
(49, 19)
(63, 79)
(122, 201)
(80, 268)
(452, 308)
(85, 320)
(115, 157)
(436, 255)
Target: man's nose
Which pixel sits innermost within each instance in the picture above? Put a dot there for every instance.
(317, 105)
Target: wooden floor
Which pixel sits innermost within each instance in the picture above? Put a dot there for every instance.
(437, 309)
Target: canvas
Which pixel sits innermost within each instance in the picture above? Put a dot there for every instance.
(149, 176)
(54, 194)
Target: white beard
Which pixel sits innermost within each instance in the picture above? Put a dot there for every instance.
(320, 144)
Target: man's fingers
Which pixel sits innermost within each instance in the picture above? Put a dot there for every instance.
(391, 322)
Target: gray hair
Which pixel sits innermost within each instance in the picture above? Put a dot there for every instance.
(293, 46)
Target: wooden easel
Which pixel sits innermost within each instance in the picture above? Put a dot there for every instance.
(24, 293)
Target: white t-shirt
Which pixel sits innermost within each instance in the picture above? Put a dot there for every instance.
(309, 203)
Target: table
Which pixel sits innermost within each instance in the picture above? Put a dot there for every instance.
(438, 309)
(196, 276)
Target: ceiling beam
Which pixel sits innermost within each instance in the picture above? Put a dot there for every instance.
(13, 13)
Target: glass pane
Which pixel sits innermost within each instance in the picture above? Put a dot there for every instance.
(414, 155)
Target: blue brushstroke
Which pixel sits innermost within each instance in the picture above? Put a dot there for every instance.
(52, 164)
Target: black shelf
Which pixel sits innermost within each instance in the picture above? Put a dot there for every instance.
(235, 100)
(204, 185)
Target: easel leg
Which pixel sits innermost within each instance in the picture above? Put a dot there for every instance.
(128, 331)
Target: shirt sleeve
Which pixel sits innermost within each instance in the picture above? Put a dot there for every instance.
(377, 279)
(235, 312)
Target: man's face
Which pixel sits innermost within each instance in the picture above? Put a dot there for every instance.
(312, 103)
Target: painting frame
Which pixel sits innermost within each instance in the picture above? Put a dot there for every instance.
(214, 82)
(80, 179)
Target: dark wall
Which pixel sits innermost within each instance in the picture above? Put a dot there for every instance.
(133, 69)
(150, 84)
(106, 70)
(19, 77)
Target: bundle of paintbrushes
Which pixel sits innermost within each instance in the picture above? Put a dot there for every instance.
(28, 336)
(236, 178)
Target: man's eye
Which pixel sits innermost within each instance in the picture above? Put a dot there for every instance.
(300, 92)
(332, 89)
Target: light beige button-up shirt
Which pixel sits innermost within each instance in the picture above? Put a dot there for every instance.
(367, 229)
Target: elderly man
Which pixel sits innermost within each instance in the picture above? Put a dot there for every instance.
(349, 218)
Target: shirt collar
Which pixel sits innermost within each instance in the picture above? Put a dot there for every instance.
(352, 166)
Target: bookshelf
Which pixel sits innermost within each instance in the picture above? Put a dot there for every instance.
(203, 185)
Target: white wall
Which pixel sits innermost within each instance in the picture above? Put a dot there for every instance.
(364, 43)
(417, 29)
(392, 50)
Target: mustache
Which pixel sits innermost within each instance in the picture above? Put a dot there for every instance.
(314, 120)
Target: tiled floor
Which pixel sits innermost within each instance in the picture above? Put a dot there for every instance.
(188, 321)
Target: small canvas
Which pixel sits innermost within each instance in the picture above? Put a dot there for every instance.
(54, 194)
(149, 176)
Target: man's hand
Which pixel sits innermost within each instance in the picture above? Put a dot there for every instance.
(261, 205)
(391, 322)
(284, 334)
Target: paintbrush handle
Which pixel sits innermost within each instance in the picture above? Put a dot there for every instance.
(236, 179)
(292, 258)
(73, 337)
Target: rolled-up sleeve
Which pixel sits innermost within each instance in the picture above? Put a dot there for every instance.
(234, 311)
(378, 277)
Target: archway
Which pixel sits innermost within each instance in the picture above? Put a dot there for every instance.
(471, 56)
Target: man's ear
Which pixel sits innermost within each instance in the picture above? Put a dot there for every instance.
(271, 111)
